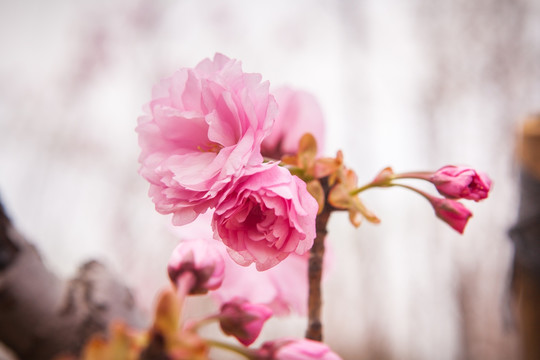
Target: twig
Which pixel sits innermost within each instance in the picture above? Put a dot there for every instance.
(316, 254)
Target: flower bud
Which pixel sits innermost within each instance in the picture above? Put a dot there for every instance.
(297, 349)
(458, 182)
(452, 212)
(243, 320)
(202, 260)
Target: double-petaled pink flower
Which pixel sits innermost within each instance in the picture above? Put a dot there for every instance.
(267, 216)
(295, 349)
(202, 131)
(459, 182)
(243, 320)
(201, 148)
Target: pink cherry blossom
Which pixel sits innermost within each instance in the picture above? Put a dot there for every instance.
(299, 113)
(452, 212)
(201, 259)
(458, 182)
(203, 129)
(268, 216)
(283, 288)
(243, 319)
(296, 349)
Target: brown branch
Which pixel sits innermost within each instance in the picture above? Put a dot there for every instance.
(42, 315)
(316, 254)
(526, 236)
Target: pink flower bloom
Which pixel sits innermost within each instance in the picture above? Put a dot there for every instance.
(203, 129)
(298, 114)
(243, 319)
(452, 212)
(296, 349)
(201, 259)
(268, 216)
(283, 288)
(458, 182)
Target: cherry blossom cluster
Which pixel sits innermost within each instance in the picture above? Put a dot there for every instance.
(239, 169)
(201, 149)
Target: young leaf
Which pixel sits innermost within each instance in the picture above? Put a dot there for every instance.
(339, 197)
(307, 151)
(316, 190)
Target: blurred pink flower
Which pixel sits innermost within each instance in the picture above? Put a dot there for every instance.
(200, 258)
(243, 320)
(203, 130)
(299, 113)
(452, 212)
(296, 349)
(283, 288)
(458, 182)
(268, 216)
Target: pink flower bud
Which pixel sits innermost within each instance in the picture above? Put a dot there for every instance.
(452, 212)
(458, 182)
(297, 349)
(243, 320)
(201, 259)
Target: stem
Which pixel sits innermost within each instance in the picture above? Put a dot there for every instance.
(420, 192)
(184, 284)
(316, 254)
(363, 188)
(422, 175)
(376, 183)
(196, 325)
(247, 353)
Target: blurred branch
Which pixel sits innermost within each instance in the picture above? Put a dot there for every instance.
(42, 315)
(526, 237)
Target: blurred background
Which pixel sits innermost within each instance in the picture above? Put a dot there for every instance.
(413, 85)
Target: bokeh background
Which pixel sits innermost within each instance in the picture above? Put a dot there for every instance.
(411, 84)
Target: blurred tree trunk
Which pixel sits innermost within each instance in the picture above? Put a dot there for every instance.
(42, 315)
(526, 237)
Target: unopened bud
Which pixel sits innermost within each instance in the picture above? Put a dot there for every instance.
(452, 212)
(202, 260)
(298, 349)
(458, 182)
(243, 320)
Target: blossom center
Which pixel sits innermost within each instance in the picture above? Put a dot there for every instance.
(255, 217)
(210, 147)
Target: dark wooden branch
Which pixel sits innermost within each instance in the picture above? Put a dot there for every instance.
(315, 268)
(42, 315)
